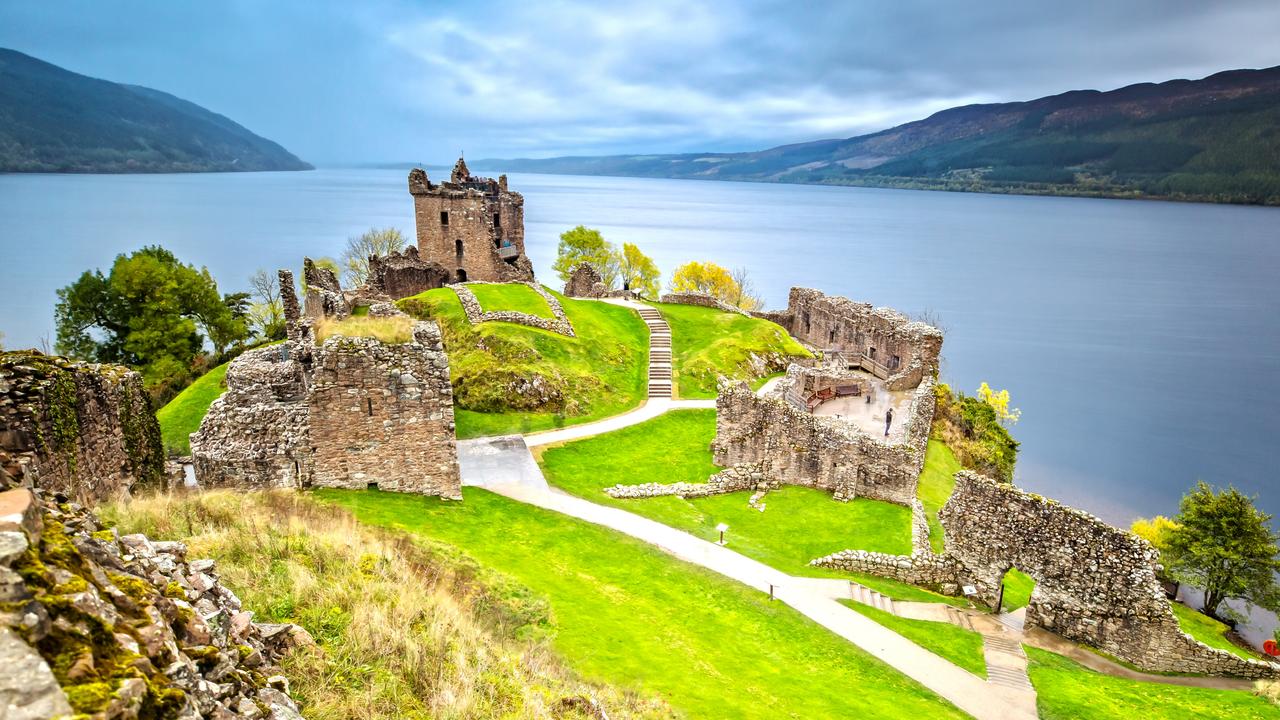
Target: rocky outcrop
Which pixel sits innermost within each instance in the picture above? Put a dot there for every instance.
(81, 429)
(585, 282)
(120, 628)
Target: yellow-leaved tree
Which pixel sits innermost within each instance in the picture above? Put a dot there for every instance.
(711, 279)
(1154, 530)
(999, 401)
(638, 271)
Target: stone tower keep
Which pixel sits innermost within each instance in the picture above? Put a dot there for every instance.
(472, 226)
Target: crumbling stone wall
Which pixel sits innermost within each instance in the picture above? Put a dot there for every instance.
(382, 415)
(472, 226)
(585, 282)
(703, 300)
(883, 341)
(404, 274)
(1095, 584)
(793, 446)
(350, 413)
(324, 296)
(81, 429)
(257, 434)
(118, 628)
(476, 314)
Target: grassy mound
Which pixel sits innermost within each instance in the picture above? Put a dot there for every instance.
(707, 343)
(516, 297)
(798, 525)
(404, 631)
(391, 330)
(512, 378)
(181, 416)
(960, 646)
(1207, 630)
(1069, 691)
(635, 617)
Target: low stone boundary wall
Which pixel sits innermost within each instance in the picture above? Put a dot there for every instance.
(476, 314)
(703, 300)
(747, 477)
(919, 568)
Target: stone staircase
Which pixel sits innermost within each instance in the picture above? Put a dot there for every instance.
(1006, 662)
(659, 353)
(867, 596)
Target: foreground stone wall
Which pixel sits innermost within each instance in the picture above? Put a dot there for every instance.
(703, 300)
(257, 434)
(383, 415)
(118, 628)
(84, 430)
(793, 446)
(351, 413)
(883, 341)
(1095, 584)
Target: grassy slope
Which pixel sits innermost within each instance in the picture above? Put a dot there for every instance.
(960, 646)
(511, 296)
(631, 615)
(1207, 630)
(1069, 691)
(182, 415)
(1017, 589)
(706, 342)
(405, 632)
(601, 372)
(799, 523)
(937, 481)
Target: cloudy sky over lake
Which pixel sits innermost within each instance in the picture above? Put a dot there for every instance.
(394, 80)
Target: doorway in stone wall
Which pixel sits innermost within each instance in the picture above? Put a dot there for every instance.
(1015, 591)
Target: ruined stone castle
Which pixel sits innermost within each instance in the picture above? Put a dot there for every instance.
(472, 226)
(353, 412)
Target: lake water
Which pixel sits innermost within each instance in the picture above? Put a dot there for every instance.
(1140, 339)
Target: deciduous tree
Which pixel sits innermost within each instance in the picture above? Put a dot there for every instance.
(583, 244)
(711, 279)
(266, 314)
(638, 271)
(1226, 547)
(375, 241)
(999, 401)
(148, 312)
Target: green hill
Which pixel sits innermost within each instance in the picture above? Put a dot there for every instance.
(1215, 139)
(54, 120)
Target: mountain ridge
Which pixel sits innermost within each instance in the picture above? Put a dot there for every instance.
(56, 120)
(1213, 139)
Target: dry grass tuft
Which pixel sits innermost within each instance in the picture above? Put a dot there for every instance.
(394, 330)
(405, 631)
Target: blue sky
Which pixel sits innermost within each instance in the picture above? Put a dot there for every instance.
(396, 80)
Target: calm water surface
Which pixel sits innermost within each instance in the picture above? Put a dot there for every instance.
(1141, 340)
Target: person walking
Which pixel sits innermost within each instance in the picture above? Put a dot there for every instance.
(888, 420)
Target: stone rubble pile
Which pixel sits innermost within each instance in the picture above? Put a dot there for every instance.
(118, 628)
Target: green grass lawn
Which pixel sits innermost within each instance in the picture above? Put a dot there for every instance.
(707, 342)
(182, 415)
(517, 297)
(899, 590)
(962, 647)
(1069, 691)
(599, 373)
(1017, 589)
(937, 482)
(798, 525)
(1207, 630)
(631, 615)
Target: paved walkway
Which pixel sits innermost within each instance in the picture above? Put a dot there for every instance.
(505, 466)
(650, 410)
